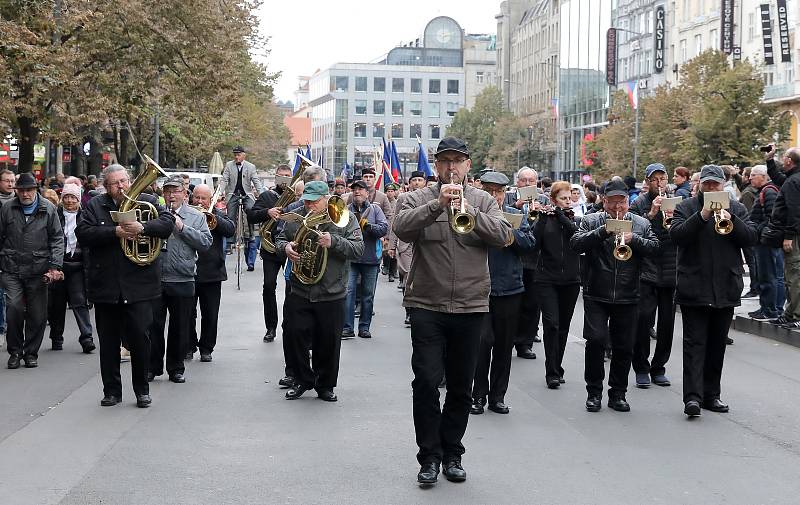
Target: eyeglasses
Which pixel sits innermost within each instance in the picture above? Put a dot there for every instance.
(117, 183)
(451, 163)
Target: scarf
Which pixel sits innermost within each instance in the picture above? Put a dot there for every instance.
(70, 221)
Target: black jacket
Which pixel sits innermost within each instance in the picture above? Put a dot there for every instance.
(258, 213)
(30, 248)
(709, 264)
(505, 263)
(761, 212)
(659, 268)
(684, 190)
(786, 212)
(608, 279)
(211, 262)
(112, 277)
(558, 263)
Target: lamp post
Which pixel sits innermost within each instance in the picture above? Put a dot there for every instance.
(636, 121)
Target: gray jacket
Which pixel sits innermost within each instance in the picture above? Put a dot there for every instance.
(178, 263)
(29, 249)
(250, 181)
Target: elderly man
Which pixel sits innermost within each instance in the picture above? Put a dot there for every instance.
(178, 269)
(31, 256)
(364, 270)
(122, 291)
(314, 313)
(769, 259)
(709, 287)
(375, 196)
(211, 273)
(7, 180)
(448, 292)
(240, 185)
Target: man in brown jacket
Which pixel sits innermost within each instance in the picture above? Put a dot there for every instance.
(447, 290)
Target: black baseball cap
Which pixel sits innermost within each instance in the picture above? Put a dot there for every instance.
(616, 187)
(417, 173)
(452, 144)
(239, 149)
(359, 184)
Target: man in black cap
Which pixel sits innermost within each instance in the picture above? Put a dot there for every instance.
(376, 196)
(33, 252)
(240, 184)
(448, 292)
(610, 294)
(657, 288)
(709, 287)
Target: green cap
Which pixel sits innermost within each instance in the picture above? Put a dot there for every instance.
(314, 190)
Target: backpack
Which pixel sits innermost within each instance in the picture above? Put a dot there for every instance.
(771, 236)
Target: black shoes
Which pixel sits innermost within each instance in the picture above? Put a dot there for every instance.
(428, 473)
(661, 380)
(692, 408)
(251, 268)
(30, 361)
(618, 403)
(327, 395)
(477, 406)
(728, 341)
(525, 353)
(189, 356)
(364, 334)
(391, 279)
(286, 382)
(453, 471)
(143, 401)
(13, 361)
(716, 405)
(57, 345)
(88, 346)
(553, 383)
(296, 391)
(498, 408)
(594, 403)
(110, 400)
(269, 336)
(347, 335)
(177, 378)
(205, 358)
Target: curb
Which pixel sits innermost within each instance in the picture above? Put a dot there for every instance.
(766, 330)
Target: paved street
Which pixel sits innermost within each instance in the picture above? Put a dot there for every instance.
(228, 436)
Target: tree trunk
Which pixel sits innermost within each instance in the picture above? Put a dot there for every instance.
(28, 134)
(124, 140)
(95, 156)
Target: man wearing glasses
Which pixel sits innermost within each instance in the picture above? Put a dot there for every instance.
(447, 290)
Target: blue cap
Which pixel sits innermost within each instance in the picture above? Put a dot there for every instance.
(314, 190)
(654, 167)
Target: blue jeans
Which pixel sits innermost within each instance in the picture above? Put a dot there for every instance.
(252, 250)
(770, 273)
(366, 288)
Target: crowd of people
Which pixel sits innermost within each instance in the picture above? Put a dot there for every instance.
(480, 263)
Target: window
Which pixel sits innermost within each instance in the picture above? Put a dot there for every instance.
(379, 107)
(361, 83)
(359, 130)
(648, 62)
(768, 78)
(416, 85)
(683, 51)
(415, 108)
(434, 86)
(698, 44)
(751, 26)
(397, 130)
(714, 39)
(435, 131)
(479, 77)
(452, 108)
(434, 109)
(415, 130)
(452, 87)
(361, 107)
(378, 130)
(398, 85)
(397, 107)
(339, 83)
(379, 84)
(649, 22)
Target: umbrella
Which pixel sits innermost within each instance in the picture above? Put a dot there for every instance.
(216, 166)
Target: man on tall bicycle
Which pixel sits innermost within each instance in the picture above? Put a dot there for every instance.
(240, 185)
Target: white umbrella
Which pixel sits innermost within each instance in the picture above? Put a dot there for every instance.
(216, 165)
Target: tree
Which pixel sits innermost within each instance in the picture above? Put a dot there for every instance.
(476, 126)
(511, 146)
(614, 145)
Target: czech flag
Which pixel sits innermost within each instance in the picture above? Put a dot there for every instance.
(395, 164)
(632, 89)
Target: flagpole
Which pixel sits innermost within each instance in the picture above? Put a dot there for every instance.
(636, 142)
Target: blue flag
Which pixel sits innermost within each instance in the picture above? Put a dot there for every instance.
(308, 152)
(296, 166)
(422, 161)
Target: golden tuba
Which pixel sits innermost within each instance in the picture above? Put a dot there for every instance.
(142, 250)
(460, 221)
(314, 258)
(288, 196)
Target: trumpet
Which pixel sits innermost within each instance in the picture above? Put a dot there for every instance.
(666, 221)
(460, 221)
(622, 251)
(722, 225)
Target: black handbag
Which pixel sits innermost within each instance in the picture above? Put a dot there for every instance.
(771, 236)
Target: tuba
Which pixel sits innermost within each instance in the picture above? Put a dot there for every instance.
(314, 258)
(142, 250)
(460, 221)
(267, 229)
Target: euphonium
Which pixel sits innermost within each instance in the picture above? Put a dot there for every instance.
(314, 258)
(722, 225)
(142, 250)
(288, 196)
(460, 221)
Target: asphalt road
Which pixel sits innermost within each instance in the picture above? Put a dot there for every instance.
(228, 436)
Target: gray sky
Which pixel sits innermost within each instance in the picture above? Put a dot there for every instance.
(313, 34)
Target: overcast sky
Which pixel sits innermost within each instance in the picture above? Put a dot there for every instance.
(314, 34)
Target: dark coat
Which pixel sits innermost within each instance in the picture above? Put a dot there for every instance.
(786, 212)
(709, 264)
(761, 212)
(30, 249)
(113, 278)
(258, 213)
(558, 263)
(608, 279)
(659, 268)
(684, 190)
(211, 262)
(505, 263)
(374, 229)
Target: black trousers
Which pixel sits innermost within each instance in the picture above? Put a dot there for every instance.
(603, 322)
(752, 267)
(442, 345)
(652, 299)
(390, 265)
(704, 332)
(497, 342)
(179, 306)
(26, 314)
(271, 270)
(128, 322)
(557, 303)
(530, 312)
(71, 290)
(314, 326)
(208, 294)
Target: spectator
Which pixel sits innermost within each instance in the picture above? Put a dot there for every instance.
(769, 259)
(683, 188)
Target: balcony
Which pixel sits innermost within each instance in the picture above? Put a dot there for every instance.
(779, 91)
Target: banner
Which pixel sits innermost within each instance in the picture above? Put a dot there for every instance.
(611, 56)
(659, 39)
(783, 31)
(726, 20)
(766, 32)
